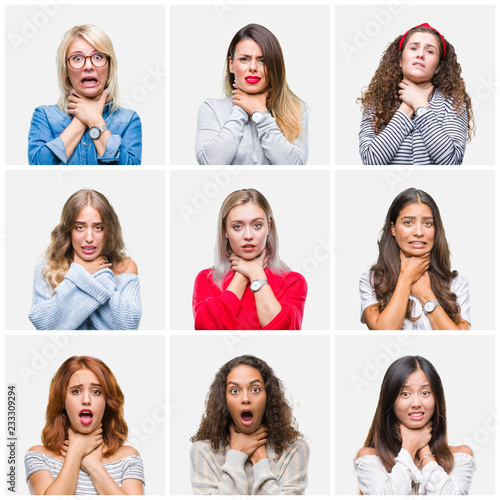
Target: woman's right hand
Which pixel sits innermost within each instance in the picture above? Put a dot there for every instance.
(87, 111)
(92, 266)
(80, 444)
(247, 443)
(413, 267)
(414, 440)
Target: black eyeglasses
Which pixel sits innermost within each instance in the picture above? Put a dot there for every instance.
(98, 60)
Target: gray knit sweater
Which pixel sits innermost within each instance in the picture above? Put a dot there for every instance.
(227, 136)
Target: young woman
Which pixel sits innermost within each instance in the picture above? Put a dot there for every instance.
(249, 288)
(86, 282)
(406, 451)
(261, 121)
(88, 126)
(416, 109)
(247, 443)
(412, 285)
(83, 450)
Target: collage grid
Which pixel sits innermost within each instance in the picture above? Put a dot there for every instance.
(333, 369)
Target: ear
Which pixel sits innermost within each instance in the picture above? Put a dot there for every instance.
(231, 68)
(269, 225)
(393, 229)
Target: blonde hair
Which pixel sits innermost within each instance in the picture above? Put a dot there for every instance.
(222, 247)
(282, 103)
(101, 42)
(60, 253)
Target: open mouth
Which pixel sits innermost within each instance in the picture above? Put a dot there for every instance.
(252, 79)
(86, 417)
(88, 250)
(417, 415)
(89, 81)
(248, 248)
(247, 417)
(418, 244)
(419, 64)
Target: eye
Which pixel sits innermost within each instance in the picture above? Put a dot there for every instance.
(237, 227)
(75, 391)
(426, 393)
(79, 227)
(405, 394)
(99, 228)
(97, 392)
(233, 391)
(256, 390)
(429, 223)
(407, 223)
(76, 58)
(98, 57)
(243, 59)
(257, 225)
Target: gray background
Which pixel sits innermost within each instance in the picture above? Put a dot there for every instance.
(138, 36)
(199, 38)
(466, 201)
(34, 202)
(306, 379)
(370, 29)
(469, 387)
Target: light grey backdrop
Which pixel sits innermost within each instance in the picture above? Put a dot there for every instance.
(363, 33)
(466, 201)
(34, 202)
(300, 203)
(33, 35)
(466, 365)
(33, 360)
(301, 363)
(199, 38)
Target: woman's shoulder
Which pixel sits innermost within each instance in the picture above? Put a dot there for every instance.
(45, 451)
(123, 452)
(123, 115)
(218, 105)
(126, 266)
(51, 111)
(366, 451)
(463, 448)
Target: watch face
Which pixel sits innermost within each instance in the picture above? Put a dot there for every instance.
(257, 115)
(255, 285)
(94, 133)
(429, 306)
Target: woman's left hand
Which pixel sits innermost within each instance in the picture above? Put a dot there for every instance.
(415, 95)
(250, 102)
(88, 111)
(92, 460)
(422, 288)
(251, 269)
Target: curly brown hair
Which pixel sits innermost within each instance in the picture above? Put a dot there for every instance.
(278, 418)
(381, 98)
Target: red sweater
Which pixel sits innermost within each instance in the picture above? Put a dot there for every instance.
(216, 309)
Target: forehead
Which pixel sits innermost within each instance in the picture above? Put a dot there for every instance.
(246, 211)
(423, 38)
(417, 379)
(415, 210)
(83, 376)
(81, 45)
(248, 46)
(88, 212)
(243, 374)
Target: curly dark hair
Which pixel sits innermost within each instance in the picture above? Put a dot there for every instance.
(278, 418)
(381, 98)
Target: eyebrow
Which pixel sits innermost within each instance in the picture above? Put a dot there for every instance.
(81, 385)
(413, 217)
(253, 220)
(425, 44)
(83, 222)
(256, 381)
(404, 386)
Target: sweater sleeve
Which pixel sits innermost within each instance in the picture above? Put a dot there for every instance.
(373, 479)
(212, 311)
(43, 149)
(277, 148)
(292, 298)
(445, 141)
(217, 143)
(435, 481)
(76, 298)
(293, 480)
(208, 479)
(124, 149)
(380, 149)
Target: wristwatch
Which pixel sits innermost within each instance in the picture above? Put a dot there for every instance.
(258, 115)
(95, 132)
(256, 285)
(430, 305)
(421, 110)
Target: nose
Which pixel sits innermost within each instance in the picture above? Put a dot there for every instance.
(253, 64)
(248, 235)
(88, 64)
(418, 229)
(245, 400)
(415, 401)
(86, 397)
(420, 52)
(89, 237)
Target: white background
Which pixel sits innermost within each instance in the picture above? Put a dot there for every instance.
(199, 41)
(363, 34)
(35, 200)
(33, 361)
(297, 199)
(468, 219)
(33, 37)
(286, 355)
(469, 388)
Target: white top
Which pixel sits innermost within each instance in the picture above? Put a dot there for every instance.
(459, 286)
(406, 479)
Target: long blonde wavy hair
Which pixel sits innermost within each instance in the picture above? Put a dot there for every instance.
(60, 253)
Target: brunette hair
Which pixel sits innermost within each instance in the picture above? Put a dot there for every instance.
(282, 103)
(381, 98)
(114, 428)
(278, 417)
(95, 37)
(222, 246)
(384, 433)
(386, 270)
(60, 253)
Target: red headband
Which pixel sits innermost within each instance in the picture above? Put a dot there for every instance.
(425, 25)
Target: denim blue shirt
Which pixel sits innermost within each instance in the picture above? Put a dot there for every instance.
(45, 146)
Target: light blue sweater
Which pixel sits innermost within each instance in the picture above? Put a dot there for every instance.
(85, 301)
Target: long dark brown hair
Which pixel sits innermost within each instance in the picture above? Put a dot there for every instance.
(384, 433)
(386, 270)
(278, 417)
(381, 98)
(282, 103)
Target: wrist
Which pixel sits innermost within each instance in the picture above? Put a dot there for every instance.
(412, 451)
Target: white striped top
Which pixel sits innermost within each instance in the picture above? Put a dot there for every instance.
(438, 137)
(131, 467)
